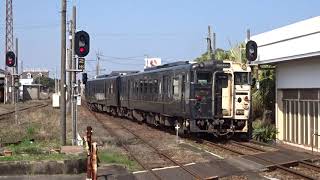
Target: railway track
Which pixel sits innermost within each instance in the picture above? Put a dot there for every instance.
(287, 168)
(24, 109)
(296, 169)
(159, 152)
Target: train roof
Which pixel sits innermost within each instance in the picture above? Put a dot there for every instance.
(207, 65)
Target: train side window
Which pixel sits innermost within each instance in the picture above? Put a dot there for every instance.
(155, 86)
(145, 86)
(160, 86)
(150, 86)
(175, 87)
(141, 86)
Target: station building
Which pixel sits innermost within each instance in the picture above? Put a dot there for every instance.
(294, 50)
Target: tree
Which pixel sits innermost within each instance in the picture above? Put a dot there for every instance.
(45, 81)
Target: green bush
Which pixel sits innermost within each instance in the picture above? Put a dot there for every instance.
(264, 132)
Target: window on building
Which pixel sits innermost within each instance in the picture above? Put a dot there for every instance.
(29, 75)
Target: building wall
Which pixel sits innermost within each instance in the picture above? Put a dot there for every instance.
(34, 74)
(31, 92)
(303, 73)
(298, 102)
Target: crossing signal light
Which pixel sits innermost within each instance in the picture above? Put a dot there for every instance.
(10, 59)
(82, 43)
(84, 78)
(251, 50)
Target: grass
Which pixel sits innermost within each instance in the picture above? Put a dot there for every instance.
(41, 125)
(35, 151)
(111, 157)
(38, 157)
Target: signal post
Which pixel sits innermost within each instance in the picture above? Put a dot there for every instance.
(81, 49)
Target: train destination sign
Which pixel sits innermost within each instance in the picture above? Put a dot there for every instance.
(223, 65)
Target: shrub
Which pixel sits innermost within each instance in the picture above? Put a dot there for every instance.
(264, 132)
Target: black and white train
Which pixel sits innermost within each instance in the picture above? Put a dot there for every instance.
(211, 97)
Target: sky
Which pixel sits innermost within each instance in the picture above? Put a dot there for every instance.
(125, 31)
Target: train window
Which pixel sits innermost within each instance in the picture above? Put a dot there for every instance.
(241, 78)
(150, 86)
(155, 86)
(191, 76)
(111, 89)
(204, 77)
(165, 85)
(141, 86)
(175, 86)
(145, 86)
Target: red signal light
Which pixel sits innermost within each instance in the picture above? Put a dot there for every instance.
(82, 50)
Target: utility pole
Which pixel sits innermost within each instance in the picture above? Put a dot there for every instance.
(209, 43)
(63, 73)
(214, 44)
(17, 59)
(73, 79)
(248, 35)
(98, 64)
(16, 89)
(8, 43)
(70, 59)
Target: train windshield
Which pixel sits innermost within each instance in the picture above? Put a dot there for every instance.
(241, 78)
(204, 77)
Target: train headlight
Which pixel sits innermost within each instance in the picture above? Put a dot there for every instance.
(244, 66)
(246, 106)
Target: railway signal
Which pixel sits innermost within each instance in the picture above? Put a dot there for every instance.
(84, 78)
(82, 43)
(10, 59)
(81, 63)
(251, 50)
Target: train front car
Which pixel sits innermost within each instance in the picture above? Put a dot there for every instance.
(220, 102)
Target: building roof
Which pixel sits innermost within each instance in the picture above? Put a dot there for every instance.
(291, 42)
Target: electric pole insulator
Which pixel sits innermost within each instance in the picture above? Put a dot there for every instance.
(82, 43)
(10, 59)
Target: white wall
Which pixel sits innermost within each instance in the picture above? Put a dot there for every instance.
(303, 73)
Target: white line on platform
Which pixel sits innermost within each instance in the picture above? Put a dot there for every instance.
(189, 164)
(162, 168)
(214, 154)
(137, 172)
(220, 157)
(168, 167)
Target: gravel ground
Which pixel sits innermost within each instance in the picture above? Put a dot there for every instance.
(163, 141)
(307, 171)
(266, 148)
(234, 178)
(278, 174)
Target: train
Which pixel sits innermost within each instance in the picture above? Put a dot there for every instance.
(212, 97)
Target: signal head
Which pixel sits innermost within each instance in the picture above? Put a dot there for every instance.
(82, 43)
(10, 59)
(251, 50)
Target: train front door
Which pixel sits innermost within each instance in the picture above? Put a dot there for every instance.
(222, 95)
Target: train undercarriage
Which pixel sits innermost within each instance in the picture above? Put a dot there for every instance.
(218, 127)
